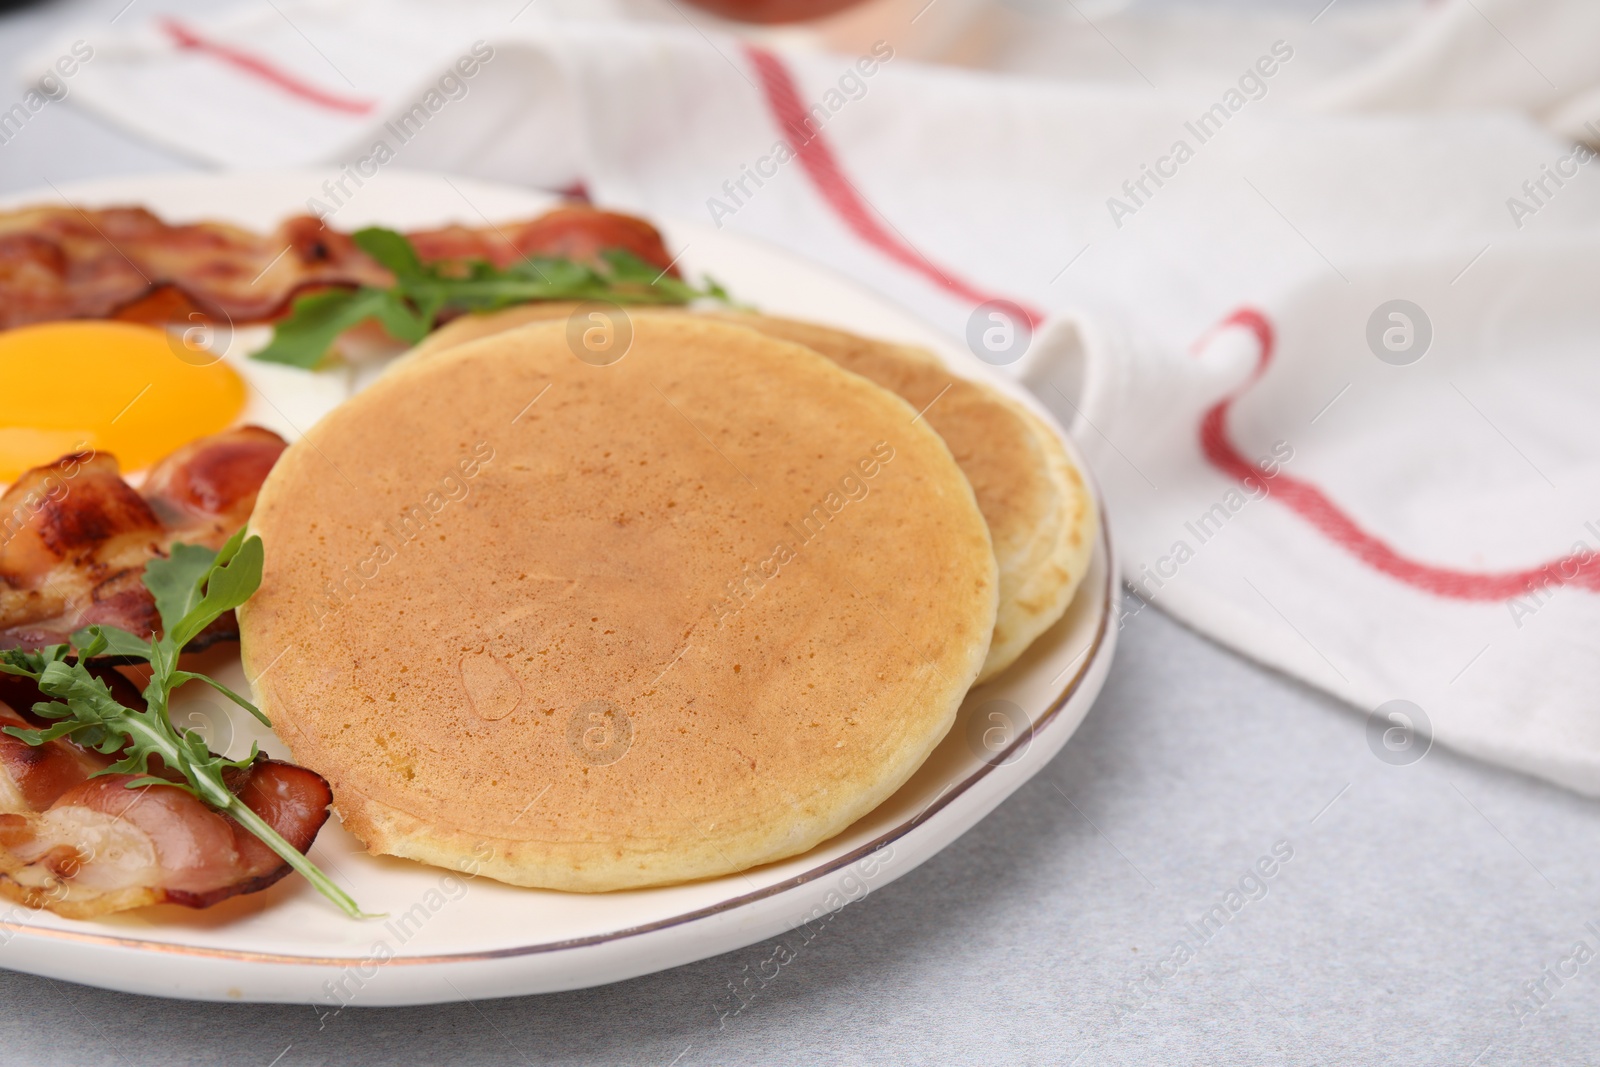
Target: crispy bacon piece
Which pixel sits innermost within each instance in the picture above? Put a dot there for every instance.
(206, 490)
(86, 846)
(63, 263)
(77, 533)
(76, 536)
(31, 779)
(577, 233)
(164, 305)
(51, 268)
(124, 262)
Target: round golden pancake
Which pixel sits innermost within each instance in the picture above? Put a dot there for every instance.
(1040, 513)
(597, 627)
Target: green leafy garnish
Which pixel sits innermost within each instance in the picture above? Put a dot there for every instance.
(193, 587)
(409, 309)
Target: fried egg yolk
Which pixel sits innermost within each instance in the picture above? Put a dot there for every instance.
(113, 387)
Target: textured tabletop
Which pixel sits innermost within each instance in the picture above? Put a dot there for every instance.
(1217, 869)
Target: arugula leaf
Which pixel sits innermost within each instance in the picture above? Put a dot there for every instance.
(181, 678)
(234, 574)
(390, 249)
(409, 309)
(560, 274)
(117, 642)
(627, 267)
(397, 317)
(175, 581)
(315, 320)
(192, 587)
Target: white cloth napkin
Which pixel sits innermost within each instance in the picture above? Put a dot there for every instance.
(1392, 501)
(1168, 275)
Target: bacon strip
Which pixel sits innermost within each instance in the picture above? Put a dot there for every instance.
(85, 845)
(33, 778)
(74, 537)
(205, 491)
(574, 232)
(125, 262)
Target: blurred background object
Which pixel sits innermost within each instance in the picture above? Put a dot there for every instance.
(774, 11)
(933, 30)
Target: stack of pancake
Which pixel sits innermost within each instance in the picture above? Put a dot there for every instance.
(594, 624)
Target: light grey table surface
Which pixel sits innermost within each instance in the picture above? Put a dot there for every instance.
(1420, 905)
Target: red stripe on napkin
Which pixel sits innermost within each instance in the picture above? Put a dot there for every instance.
(1315, 506)
(184, 37)
(822, 166)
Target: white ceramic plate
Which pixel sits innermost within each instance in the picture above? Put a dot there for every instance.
(448, 938)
